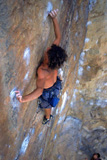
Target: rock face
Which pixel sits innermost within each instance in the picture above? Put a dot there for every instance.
(79, 127)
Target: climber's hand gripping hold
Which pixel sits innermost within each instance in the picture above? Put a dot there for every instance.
(19, 96)
(53, 13)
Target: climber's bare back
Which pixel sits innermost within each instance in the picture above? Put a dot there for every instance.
(46, 76)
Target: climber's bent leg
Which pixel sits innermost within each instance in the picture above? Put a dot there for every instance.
(47, 113)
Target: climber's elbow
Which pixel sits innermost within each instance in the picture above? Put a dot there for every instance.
(57, 41)
(40, 91)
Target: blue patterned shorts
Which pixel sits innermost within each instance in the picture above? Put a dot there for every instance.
(49, 93)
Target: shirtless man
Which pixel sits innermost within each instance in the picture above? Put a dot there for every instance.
(47, 79)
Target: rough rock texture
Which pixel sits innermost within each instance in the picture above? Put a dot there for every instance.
(79, 127)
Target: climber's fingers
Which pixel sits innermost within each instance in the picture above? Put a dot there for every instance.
(17, 91)
(18, 96)
(53, 13)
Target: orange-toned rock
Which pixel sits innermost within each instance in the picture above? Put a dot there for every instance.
(79, 126)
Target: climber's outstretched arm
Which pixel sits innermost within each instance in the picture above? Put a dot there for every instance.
(33, 95)
(53, 15)
(38, 91)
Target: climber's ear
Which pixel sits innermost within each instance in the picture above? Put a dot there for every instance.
(48, 49)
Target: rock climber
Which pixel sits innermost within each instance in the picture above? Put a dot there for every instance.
(48, 83)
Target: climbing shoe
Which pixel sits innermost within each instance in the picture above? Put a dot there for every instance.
(51, 116)
(45, 120)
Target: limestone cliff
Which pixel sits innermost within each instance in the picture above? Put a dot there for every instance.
(79, 127)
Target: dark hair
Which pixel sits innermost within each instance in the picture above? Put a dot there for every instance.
(94, 155)
(57, 56)
(98, 155)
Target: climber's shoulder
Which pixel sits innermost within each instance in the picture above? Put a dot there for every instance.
(42, 72)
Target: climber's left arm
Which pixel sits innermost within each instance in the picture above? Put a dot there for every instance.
(31, 96)
(37, 92)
